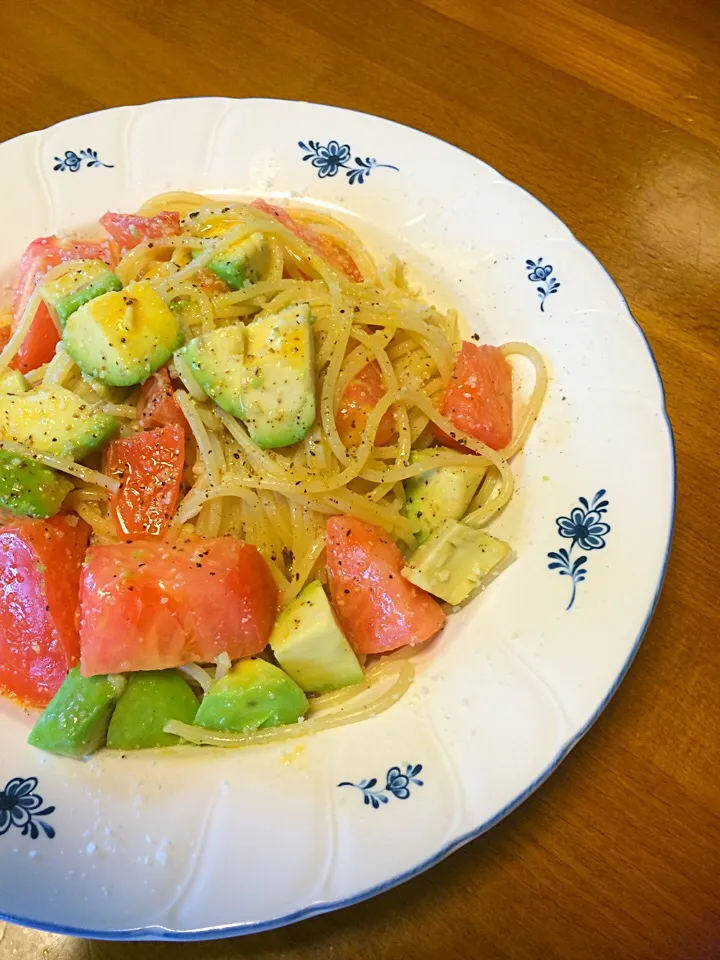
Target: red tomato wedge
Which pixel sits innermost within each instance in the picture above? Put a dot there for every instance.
(149, 466)
(157, 406)
(42, 255)
(40, 563)
(334, 253)
(358, 402)
(378, 608)
(478, 398)
(154, 604)
(128, 230)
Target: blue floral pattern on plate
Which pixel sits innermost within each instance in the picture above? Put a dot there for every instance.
(19, 807)
(586, 529)
(73, 161)
(332, 157)
(397, 784)
(540, 273)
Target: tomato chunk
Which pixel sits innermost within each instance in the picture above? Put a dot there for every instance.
(378, 608)
(128, 230)
(358, 402)
(157, 406)
(40, 563)
(334, 253)
(42, 255)
(478, 398)
(149, 466)
(155, 604)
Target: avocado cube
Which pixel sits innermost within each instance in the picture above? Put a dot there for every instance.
(310, 646)
(254, 694)
(244, 262)
(30, 489)
(75, 722)
(278, 387)
(151, 698)
(80, 282)
(216, 359)
(120, 338)
(455, 560)
(13, 382)
(54, 420)
(439, 494)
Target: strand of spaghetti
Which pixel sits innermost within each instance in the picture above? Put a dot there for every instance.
(485, 491)
(277, 259)
(201, 301)
(59, 368)
(360, 357)
(196, 673)
(379, 514)
(337, 697)
(303, 570)
(184, 372)
(62, 464)
(92, 494)
(180, 201)
(318, 301)
(260, 460)
(536, 399)
(200, 493)
(431, 339)
(102, 527)
(263, 288)
(346, 501)
(436, 458)
(35, 377)
(337, 339)
(15, 341)
(276, 517)
(210, 518)
(380, 491)
(273, 535)
(338, 233)
(122, 410)
(401, 672)
(399, 411)
(200, 433)
(492, 507)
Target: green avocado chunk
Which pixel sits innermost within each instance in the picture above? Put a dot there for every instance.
(252, 695)
(279, 377)
(455, 560)
(54, 420)
(244, 262)
(80, 282)
(309, 645)
(121, 337)
(12, 381)
(151, 698)
(75, 722)
(216, 359)
(30, 489)
(439, 494)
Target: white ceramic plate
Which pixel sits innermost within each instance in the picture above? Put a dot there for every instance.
(192, 844)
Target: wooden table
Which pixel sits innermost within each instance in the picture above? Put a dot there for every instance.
(609, 112)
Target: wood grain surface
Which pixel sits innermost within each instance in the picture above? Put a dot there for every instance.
(609, 112)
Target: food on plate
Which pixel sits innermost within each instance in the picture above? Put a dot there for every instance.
(245, 473)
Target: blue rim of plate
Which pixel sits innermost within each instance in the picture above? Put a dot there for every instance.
(150, 933)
